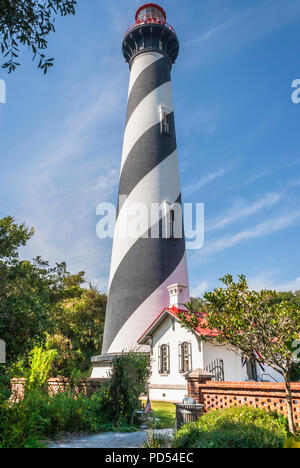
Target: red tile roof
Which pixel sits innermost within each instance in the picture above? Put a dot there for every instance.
(174, 312)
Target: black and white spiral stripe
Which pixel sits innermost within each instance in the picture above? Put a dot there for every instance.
(142, 268)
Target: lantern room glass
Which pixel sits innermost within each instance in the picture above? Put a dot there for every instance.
(151, 13)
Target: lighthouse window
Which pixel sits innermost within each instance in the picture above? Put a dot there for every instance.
(165, 121)
(164, 359)
(172, 224)
(151, 12)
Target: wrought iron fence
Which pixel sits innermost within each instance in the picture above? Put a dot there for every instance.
(216, 368)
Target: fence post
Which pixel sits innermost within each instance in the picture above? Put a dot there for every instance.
(194, 380)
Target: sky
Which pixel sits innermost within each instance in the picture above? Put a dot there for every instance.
(237, 129)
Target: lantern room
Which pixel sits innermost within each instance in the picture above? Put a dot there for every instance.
(151, 11)
(150, 32)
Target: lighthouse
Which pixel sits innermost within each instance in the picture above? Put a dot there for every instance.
(145, 262)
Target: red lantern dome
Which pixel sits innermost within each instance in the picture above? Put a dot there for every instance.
(151, 11)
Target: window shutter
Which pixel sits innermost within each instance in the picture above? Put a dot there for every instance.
(190, 357)
(159, 360)
(168, 350)
(180, 357)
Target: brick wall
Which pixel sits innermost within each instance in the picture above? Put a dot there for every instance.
(219, 395)
(58, 385)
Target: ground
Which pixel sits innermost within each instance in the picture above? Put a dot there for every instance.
(162, 420)
(109, 440)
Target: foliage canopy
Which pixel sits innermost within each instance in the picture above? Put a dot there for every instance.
(29, 23)
(42, 305)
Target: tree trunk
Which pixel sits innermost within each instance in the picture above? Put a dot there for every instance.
(289, 403)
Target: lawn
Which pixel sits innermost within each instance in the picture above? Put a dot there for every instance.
(164, 414)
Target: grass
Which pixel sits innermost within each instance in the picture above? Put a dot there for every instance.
(165, 413)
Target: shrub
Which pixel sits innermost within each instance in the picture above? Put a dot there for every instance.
(157, 441)
(292, 441)
(40, 416)
(239, 427)
(128, 380)
(40, 367)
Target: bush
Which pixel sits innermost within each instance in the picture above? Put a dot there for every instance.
(157, 441)
(238, 427)
(40, 367)
(128, 380)
(40, 416)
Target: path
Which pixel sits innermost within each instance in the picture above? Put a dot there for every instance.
(109, 440)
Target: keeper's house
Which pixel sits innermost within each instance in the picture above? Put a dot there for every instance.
(176, 351)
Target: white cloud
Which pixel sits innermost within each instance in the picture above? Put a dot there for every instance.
(64, 180)
(209, 178)
(200, 289)
(293, 285)
(265, 281)
(243, 211)
(256, 177)
(260, 230)
(294, 182)
(215, 30)
(238, 30)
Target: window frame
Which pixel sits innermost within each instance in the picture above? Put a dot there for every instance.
(165, 121)
(172, 224)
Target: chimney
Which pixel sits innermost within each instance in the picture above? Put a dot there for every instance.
(178, 295)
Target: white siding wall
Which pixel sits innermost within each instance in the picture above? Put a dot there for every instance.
(166, 335)
(173, 334)
(270, 375)
(233, 369)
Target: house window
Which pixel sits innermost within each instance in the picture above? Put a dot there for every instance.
(251, 370)
(185, 357)
(165, 121)
(164, 359)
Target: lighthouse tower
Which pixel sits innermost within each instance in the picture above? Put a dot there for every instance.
(143, 265)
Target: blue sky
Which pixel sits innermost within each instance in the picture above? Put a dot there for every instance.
(237, 129)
